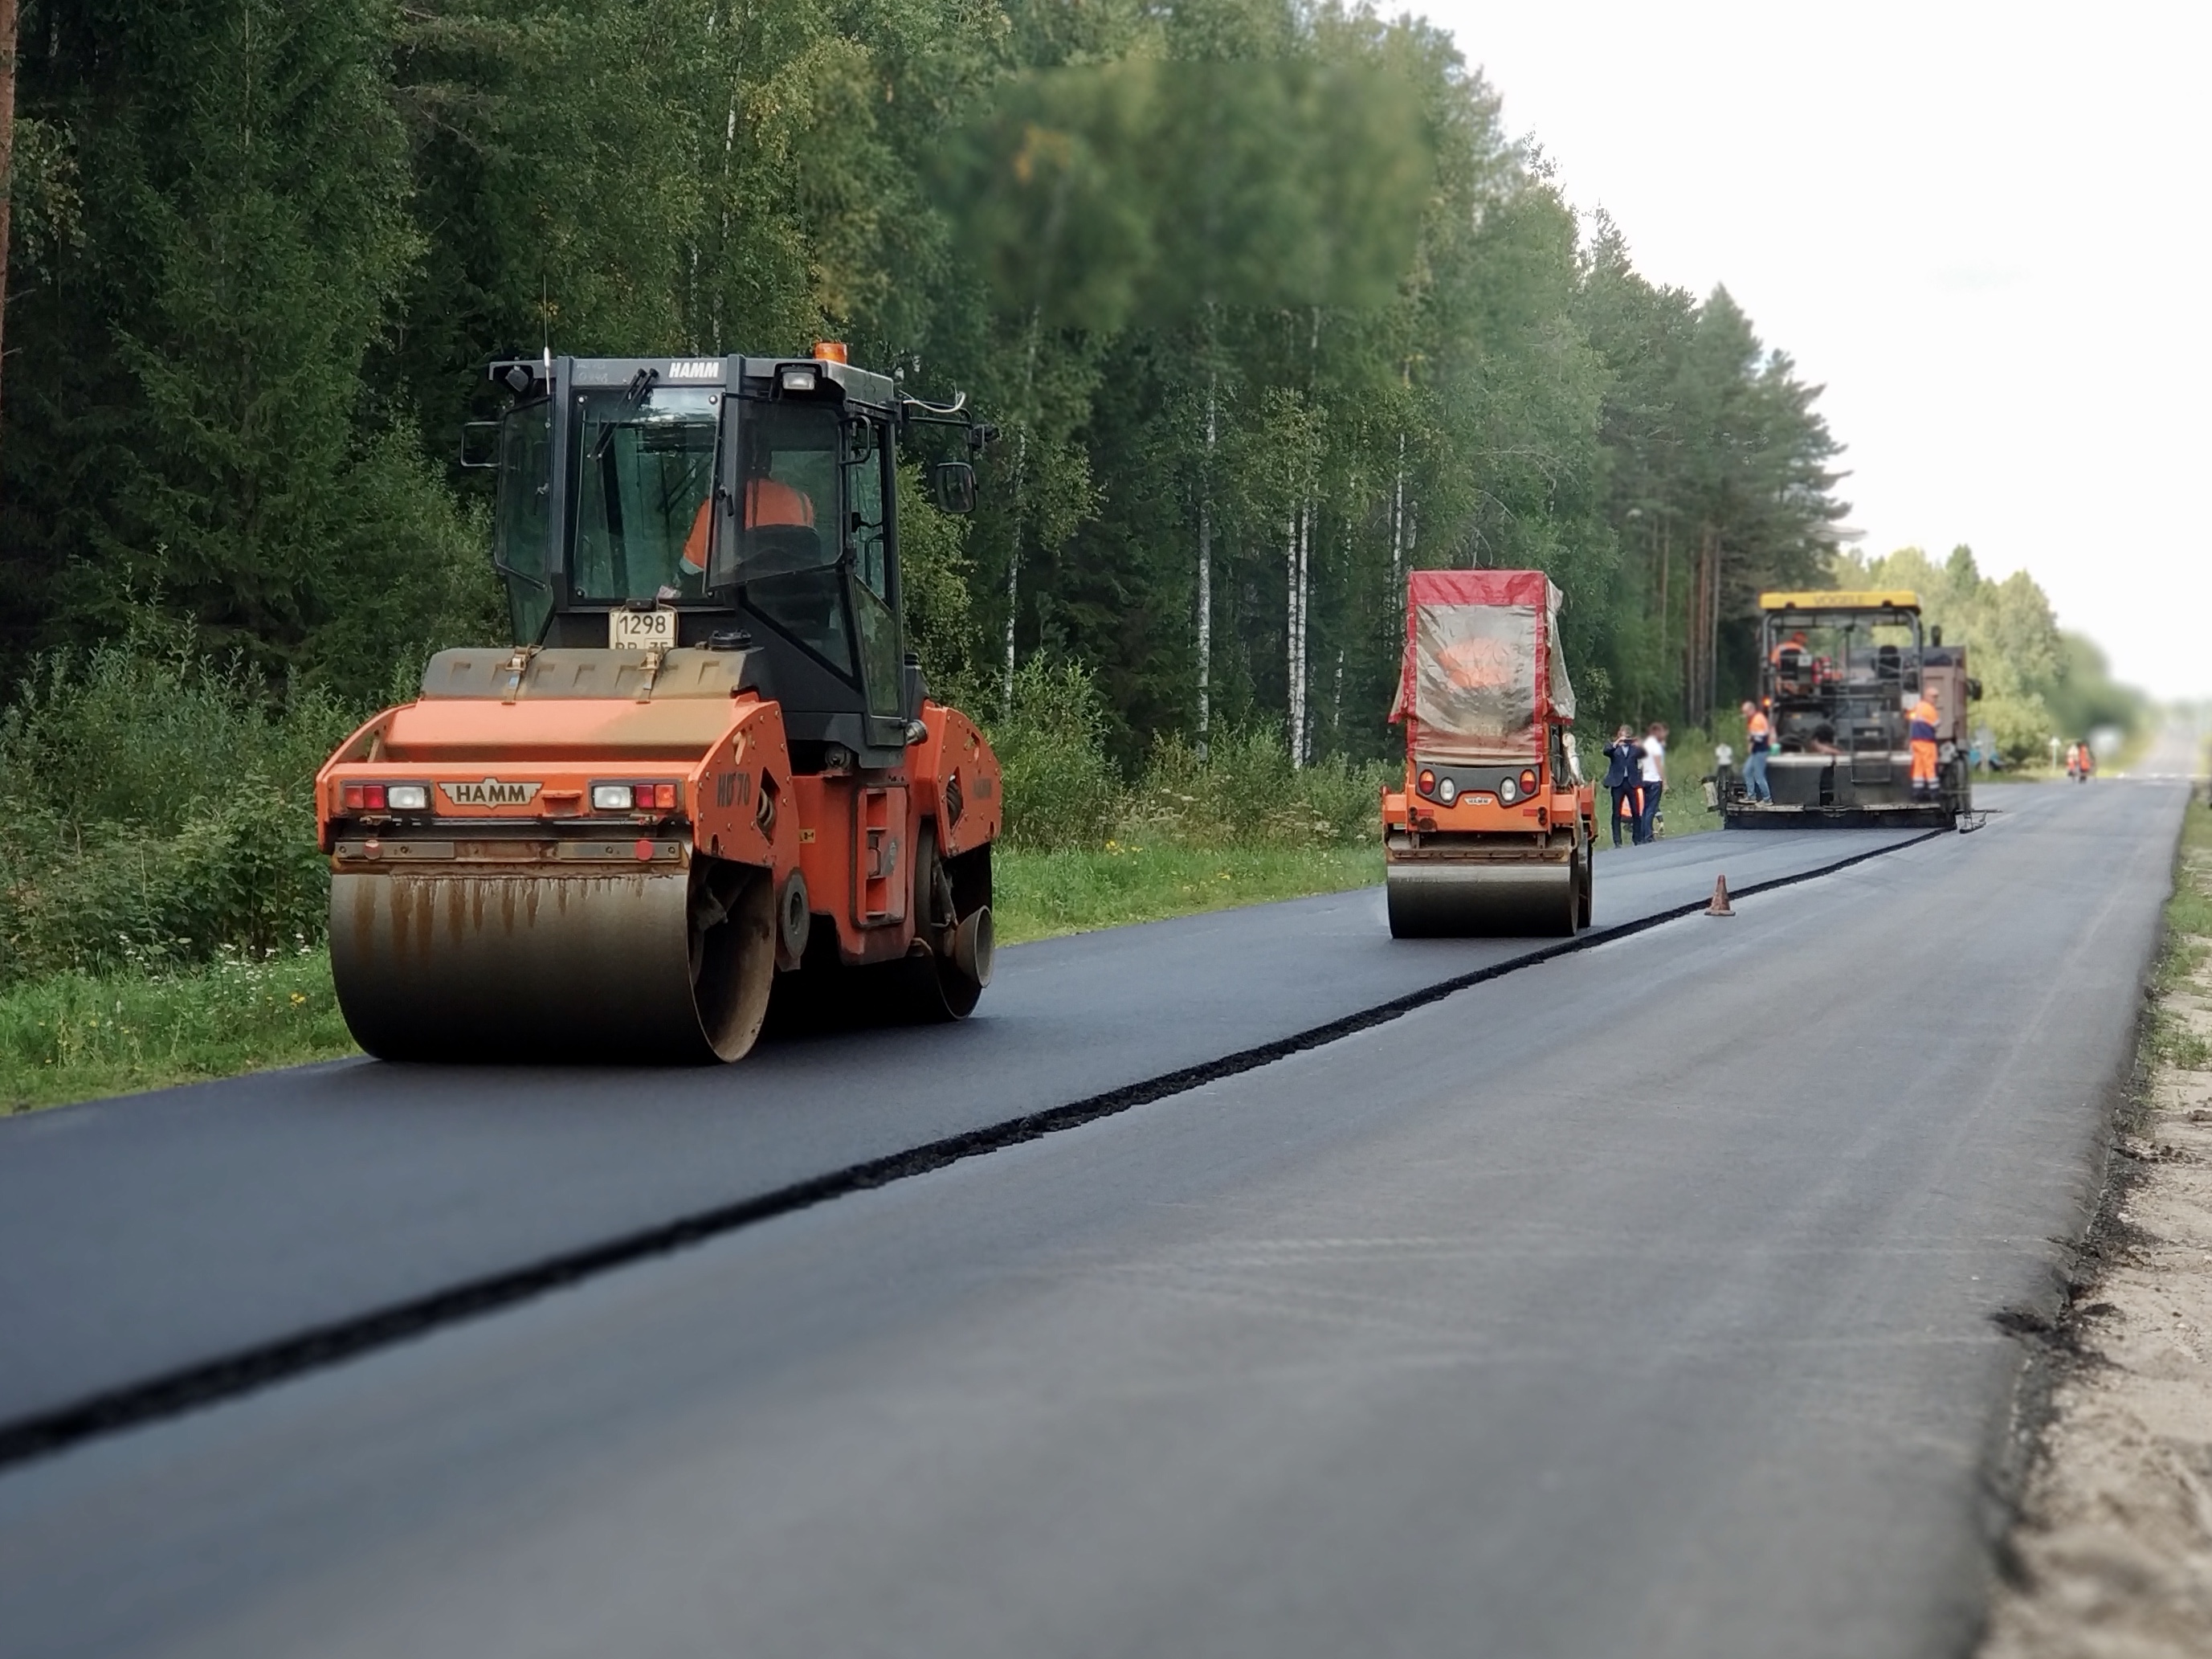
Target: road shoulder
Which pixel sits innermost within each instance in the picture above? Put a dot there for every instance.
(2111, 1551)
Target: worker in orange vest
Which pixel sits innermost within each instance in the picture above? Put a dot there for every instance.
(768, 501)
(1924, 719)
(1759, 732)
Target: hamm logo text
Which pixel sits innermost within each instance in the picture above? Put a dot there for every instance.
(491, 793)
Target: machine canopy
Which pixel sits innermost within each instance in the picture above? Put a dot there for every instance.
(1483, 672)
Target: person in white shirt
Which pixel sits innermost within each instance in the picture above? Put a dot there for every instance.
(1654, 780)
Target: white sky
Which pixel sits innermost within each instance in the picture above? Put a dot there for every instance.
(1980, 226)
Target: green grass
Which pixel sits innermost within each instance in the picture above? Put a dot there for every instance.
(2188, 942)
(1039, 895)
(80, 1036)
(76, 1036)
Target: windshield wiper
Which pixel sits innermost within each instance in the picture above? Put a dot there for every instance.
(640, 383)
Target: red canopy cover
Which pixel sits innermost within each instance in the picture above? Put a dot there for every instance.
(1483, 672)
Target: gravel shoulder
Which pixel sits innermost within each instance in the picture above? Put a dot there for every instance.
(2111, 1557)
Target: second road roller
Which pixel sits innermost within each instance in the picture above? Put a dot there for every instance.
(1494, 830)
(704, 764)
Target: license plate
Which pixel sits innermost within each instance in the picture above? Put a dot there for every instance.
(641, 631)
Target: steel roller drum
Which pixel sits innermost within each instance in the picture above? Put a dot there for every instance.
(1451, 900)
(526, 965)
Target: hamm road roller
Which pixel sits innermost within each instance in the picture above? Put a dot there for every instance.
(704, 761)
(1840, 677)
(1494, 831)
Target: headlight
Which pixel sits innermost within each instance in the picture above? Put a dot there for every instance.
(1506, 792)
(1447, 791)
(610, 798)
(408, 797)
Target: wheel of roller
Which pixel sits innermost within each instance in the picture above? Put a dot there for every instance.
(731, 924)
(661, 966)
(946, 974)
(1444, 899)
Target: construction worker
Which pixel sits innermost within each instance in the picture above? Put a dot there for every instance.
(1760, 731)
(766, 502)
(1925, 719)
(2073, 762)
(1793, 663)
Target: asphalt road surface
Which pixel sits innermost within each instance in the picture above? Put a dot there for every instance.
(1644, 1300)
(142, 1237)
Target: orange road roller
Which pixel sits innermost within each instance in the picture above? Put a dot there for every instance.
(1493, 830)
(705, 771)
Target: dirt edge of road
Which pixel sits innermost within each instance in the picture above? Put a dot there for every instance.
(2109, 1552)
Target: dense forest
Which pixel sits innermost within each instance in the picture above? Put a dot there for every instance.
(1266, 301)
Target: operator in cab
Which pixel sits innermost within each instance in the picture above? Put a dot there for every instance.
(1925, 718)
(769, 501)
(1793, 662)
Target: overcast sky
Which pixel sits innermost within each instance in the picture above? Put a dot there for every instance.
(1979, 225)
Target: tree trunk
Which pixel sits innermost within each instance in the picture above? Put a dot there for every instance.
(1206, 569)
(7, 152)
(1014, 568)
(1294, 711)
(1398, 528)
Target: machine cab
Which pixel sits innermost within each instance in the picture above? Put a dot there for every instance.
(741, 504)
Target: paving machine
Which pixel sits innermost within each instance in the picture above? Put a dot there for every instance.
(1838, 675)
(1493, 830)
(706, 759)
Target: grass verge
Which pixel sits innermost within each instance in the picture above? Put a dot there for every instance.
(79, 1036)
(82, 1035)
(1042, 895)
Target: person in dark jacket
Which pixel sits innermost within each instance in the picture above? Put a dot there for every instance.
(1624, 758)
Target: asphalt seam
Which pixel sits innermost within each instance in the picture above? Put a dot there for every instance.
(209, 1382)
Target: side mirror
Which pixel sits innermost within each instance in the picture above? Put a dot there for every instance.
(953, 486)
(480, 446)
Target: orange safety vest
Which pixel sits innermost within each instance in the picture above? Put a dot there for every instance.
(1760, 728)
(768, 501)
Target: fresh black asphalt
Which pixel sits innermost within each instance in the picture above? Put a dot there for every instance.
(143, 1235)
(1650, 1300)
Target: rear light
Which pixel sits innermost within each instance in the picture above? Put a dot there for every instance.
(1448, 792)
(1427, 782)
(409, 797)
(365, 796)
(1528, 783)
(350, 798)
(633, 797)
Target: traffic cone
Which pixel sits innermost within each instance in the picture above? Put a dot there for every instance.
(1719, 906)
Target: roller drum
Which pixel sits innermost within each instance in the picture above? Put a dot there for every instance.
(615, 966)
(1451, 900)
